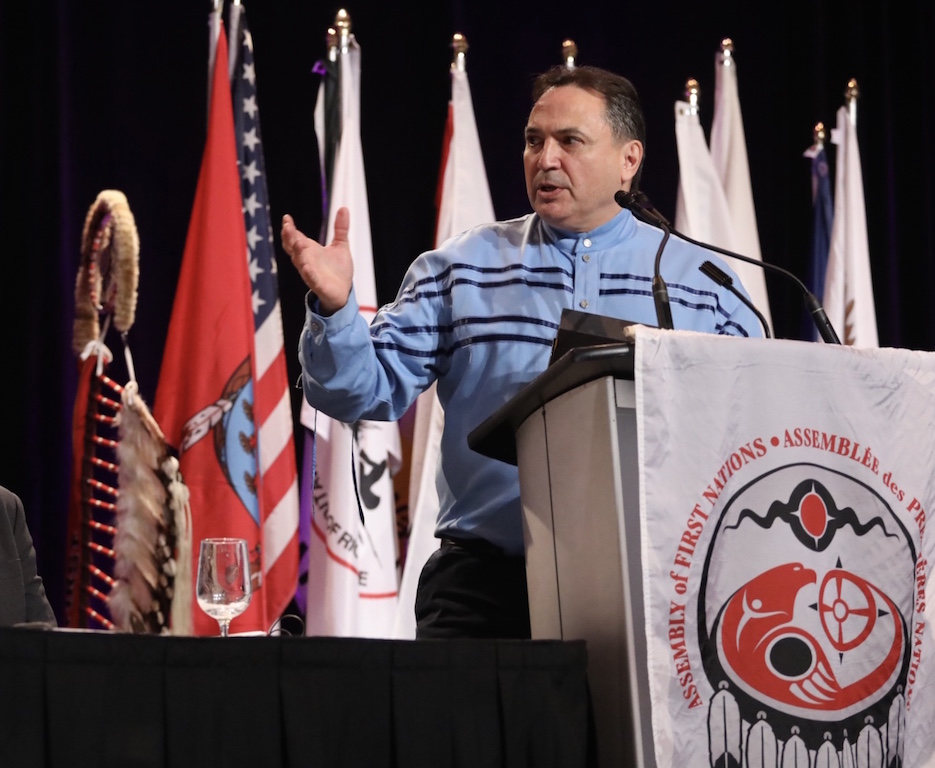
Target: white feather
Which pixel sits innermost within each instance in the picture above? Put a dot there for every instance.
(794, 752)
(827, 755)
(869, 747)
(762, 750)
(896, 731)
(724, 729)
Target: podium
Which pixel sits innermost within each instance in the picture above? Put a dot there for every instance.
(572, 434)
(742, 539)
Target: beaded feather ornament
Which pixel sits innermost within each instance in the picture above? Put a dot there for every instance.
(129, 527)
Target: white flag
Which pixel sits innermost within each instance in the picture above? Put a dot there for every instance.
(701, 210)
(353, 579)
(848, 295)
(465, 202)
(729, 155)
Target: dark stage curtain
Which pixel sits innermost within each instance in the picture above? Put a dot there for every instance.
(112, 95)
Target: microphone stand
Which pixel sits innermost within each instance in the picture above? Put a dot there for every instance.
(720, 277)
(660, 289)
(638, 204)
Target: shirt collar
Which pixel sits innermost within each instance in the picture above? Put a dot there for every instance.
(599, 239)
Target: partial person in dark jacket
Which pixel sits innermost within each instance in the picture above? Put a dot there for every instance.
(22, 594)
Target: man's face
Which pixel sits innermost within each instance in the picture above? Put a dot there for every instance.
(573, 166)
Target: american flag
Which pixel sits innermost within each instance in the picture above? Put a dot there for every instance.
(279, 497)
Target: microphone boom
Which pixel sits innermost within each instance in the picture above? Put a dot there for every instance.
(638, 204)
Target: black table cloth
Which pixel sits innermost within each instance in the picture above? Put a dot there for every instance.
(108, 699)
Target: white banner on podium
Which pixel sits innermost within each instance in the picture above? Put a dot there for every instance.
(785, 488)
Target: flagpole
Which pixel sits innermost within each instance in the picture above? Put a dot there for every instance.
(342, 20)
(692, 95)
(819, 136)
(459, 45)
(726, 56)
(851, 94)
(214, 30)
(233, 37)
(569, 53)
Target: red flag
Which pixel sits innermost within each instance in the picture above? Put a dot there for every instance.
(204, 401)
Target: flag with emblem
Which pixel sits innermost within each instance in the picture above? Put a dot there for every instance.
(848, 294)
(348, 493)
(785, 556)
(205, 395)
(463, 202)
(272, 404)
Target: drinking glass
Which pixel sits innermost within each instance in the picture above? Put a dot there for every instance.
(223, 587)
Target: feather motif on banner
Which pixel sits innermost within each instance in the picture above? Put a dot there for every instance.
(724, 730)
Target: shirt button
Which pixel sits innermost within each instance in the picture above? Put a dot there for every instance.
(583, 304)
(586, 258)
(587, 242)
(314, 327)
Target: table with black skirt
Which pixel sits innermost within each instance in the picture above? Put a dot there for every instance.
(101, 699)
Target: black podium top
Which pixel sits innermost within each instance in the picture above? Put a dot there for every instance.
(496, 436)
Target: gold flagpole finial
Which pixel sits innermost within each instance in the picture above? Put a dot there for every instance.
(692, 94)
(459, 46)
(819, 135)
(569, 53)
(852, 91)
(851, 94)
(342, 21)
(726, 55)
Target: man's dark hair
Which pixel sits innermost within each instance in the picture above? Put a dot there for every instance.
(624, 113)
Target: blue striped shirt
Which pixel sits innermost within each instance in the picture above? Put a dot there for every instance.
(479, 314)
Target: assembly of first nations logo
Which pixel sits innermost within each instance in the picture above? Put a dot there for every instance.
(804, 623)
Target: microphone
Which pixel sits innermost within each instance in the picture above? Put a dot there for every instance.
(720, 277)
(660, 289)
(638, 204)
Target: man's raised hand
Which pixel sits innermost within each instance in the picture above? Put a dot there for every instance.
(328, 271)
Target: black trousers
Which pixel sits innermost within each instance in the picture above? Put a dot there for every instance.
(472, 589)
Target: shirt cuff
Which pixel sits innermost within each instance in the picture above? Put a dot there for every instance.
(319, 324)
